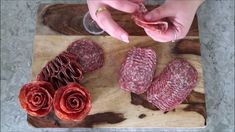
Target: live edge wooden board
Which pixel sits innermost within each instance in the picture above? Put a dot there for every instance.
(59, 25)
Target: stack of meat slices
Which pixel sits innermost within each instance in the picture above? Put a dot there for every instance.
(137, 71)
(168, 89)
(173, 85)
(80, 57)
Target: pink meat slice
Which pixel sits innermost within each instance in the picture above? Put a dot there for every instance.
(138, 17)
(173, 85)
(137, 70)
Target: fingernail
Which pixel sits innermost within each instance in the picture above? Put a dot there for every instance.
(125, 38)
(148, 17)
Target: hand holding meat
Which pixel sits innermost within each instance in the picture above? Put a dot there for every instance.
(178, 13)
(98, 11)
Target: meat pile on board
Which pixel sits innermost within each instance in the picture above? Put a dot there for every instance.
(168, 89)
(58, 84)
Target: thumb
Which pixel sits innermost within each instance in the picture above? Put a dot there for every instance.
(158, 13)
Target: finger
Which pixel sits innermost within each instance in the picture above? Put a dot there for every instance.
(105, 21)
(158, 13)
(93, 5)
(169, 35)
(137, 1)
(122, 5)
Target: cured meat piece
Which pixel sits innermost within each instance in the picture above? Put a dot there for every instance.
(137, 71)
(88, 54)
(72, 102)
(36, 98)
(138, 17)
(61, 70)
(173, 85)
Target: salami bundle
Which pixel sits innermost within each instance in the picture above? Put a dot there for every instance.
(173, 85)
(137, 70)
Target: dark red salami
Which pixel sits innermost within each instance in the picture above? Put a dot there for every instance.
(61, 70)
(173, 85)
(137, 71)
(88, 54)
(138, 17)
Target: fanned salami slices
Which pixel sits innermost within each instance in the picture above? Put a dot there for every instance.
(138, 17)
(88, 54)
(61, 70)
(36, 98)
(72, 102)
(137, 70)
(173, 85)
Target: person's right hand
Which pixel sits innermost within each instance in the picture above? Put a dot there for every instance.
(180, 14)
(104, 18)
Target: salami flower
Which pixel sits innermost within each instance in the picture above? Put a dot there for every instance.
(36, 98)
(72, 102)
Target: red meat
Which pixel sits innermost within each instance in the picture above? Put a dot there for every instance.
(173, 85)
(88, 54)
(137, 71)
(138, 17)
(61, 70)
(36, 98)
(72, 102)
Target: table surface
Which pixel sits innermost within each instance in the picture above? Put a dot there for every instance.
(216, 29)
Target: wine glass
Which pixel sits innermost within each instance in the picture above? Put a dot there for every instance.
(90, 25)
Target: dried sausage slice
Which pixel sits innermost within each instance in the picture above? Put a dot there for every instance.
(88, 54)
(137, 70)
(173, 85)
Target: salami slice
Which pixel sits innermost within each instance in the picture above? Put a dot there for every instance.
(173, 85)
(61, 70)
(137, 70)
(88, 54)
(138, 17)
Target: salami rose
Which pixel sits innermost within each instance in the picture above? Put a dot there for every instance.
(72, 102)
(173, 85)
(36, 98)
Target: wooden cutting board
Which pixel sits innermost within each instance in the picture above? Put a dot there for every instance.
(59, 25)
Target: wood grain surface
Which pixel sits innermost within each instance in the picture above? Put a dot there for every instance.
(67, 19)
(111, 106)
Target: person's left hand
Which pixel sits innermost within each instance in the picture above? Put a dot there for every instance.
(104, 18)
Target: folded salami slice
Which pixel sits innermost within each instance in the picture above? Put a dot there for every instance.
(173, 85)
(137, 70)
(61, 70)
(138, 17)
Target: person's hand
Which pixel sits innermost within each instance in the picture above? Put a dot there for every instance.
(104, 19)
(179, 12)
